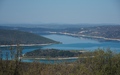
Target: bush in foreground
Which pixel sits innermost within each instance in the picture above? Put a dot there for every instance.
(99, 62)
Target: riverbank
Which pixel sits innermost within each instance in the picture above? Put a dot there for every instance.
(86, 36)
(27, 45)
(60, 58)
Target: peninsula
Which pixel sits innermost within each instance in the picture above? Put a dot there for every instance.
(13, 37)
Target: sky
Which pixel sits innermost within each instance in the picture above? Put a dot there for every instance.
(60, 11)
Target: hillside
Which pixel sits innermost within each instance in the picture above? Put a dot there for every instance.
(102, 31)
(111, 32)
(8, 37)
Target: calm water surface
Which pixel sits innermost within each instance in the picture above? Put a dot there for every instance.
(79, 43)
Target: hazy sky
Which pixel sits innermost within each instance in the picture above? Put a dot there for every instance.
(60, 11)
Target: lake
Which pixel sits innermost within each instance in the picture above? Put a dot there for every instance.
(79, 43)
(70, 43)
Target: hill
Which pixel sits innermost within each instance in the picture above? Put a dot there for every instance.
(111, 32)
(102, 31)
(8, 37)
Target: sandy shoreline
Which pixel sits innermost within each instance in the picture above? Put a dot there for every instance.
(57, 58)
(27, 45)
(65, 58)
(96, 37)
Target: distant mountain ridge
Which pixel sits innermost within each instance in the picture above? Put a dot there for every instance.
(8, 37)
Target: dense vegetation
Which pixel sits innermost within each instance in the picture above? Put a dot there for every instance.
(8, 37)
(103, 63)
(52, 53)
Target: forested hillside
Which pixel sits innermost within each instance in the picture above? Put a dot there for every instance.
(13, 37)
(112, 31)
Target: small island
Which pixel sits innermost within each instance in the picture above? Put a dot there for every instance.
(52, 54)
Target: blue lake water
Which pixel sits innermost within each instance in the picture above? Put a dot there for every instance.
(79, 43)
(70, 43)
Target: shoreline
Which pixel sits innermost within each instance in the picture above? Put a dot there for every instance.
(59, 58)
(87, 36)
(27, 45)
